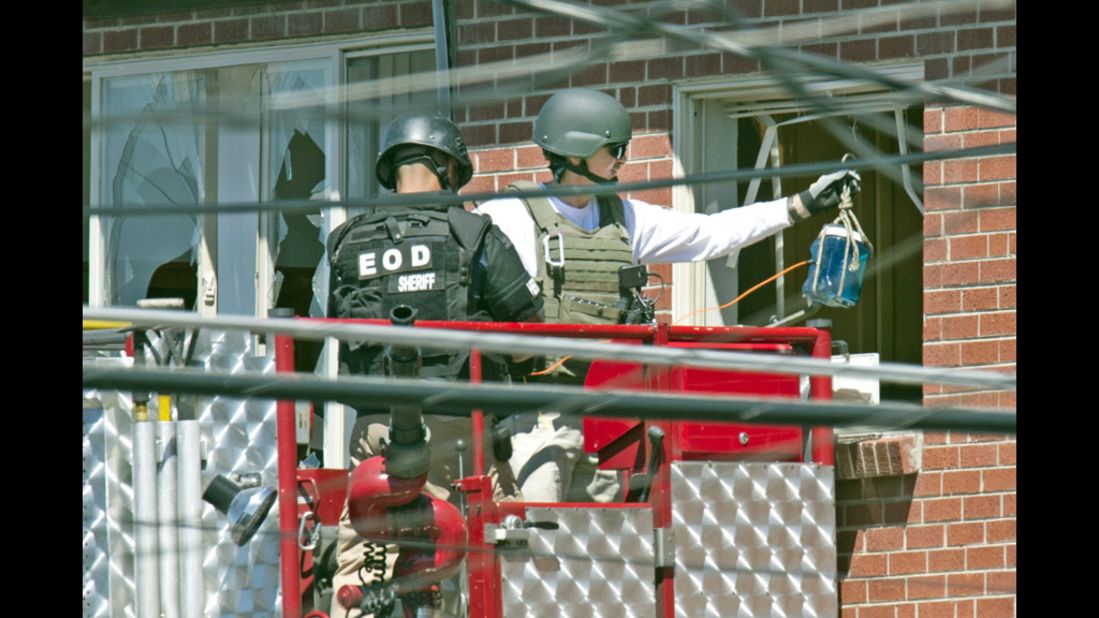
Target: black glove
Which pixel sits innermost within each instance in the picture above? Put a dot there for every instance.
(825, 193)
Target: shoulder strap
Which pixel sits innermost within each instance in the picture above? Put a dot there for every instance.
(539, 208)
(469, 229)
(611, 210)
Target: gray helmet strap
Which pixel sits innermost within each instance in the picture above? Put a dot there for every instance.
(559, 164)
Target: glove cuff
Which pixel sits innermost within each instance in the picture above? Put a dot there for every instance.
(799, 207)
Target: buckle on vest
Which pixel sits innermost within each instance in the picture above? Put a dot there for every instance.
(560, 251)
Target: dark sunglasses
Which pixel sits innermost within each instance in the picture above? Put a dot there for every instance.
(618, 150)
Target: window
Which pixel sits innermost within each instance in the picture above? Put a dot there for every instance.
(241, 127)
(751, 123)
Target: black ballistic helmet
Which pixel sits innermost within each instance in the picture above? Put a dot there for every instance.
(438, 134)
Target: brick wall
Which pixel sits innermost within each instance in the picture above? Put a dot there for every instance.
(931, 537)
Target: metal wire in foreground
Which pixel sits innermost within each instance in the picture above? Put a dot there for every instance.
(457, 399)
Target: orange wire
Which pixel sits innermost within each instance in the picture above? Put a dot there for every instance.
(746, 293)
(561, 361)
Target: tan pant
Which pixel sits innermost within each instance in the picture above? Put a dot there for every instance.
(549, 463)
(366, 441)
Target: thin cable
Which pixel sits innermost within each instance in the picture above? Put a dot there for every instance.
(745, 294)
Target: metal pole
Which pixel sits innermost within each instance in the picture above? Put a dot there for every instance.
(166, 518)
(288, 475)
(146, 578)
(189, 469)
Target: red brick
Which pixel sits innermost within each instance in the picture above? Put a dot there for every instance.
(960, 327)
(965, 534)
(853, 591)
(828, 50)
(961, 273)
(947, 509)
(996, 607)
(1007, 296)
(884, 539)
(1007, 193)
(497, 53)
(937, 609)
(1007, 454)
(961, 118)
(997, 168)
(490, 8)
(344, 20)
(980, 352)
(961, 482)
(515, 132)
(941, 355)
(495, 160)
(934, 437)
(907, 563)
(928, 43)
(961, 65)
(926, 587)
(665, 68)
(772, 8)
(869, 565)
(704, 65)
(660, 170)
(1007, 351)
(415, 14)
(964, 170)
(627, 71)
(649, 146)
(480, 184)
(659, 121)
(514, 29)
(1010, 555)
(194, 34)
(896, 47)
(933, 173)
(969, 247)
(980, 138)
(999, 582)
(978, 455)
(230, 31)
(858, 50)
(480, 135)
(503, 180)
(880, 590)
(999, 245)
(530, 157)
(119, 41)
(979, 196)
(965, 609)
(990, 118)
(877, 611)
(964, 222)
(928, 484)
(932, 120)
(545, 27)
(981, 507)
(984, 557)
(979, 299)
(920, 537)
(1002, 323)
(380, 17)
(932, 329)
(654, 95)
(653, 196)
(1000, 531)
(1005, 36)
(946, 560)
(935, 69)
(157, 38)
(532, 49)
(976, 38)
(474, 33)
(942, 301)
(997, 270)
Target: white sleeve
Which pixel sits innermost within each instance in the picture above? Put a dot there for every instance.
(511, 216)
(660, 234)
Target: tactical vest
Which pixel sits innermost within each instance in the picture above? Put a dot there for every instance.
(421, 257)
(578, 270)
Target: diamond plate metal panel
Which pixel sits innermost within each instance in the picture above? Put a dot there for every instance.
(754, 539)
(239, 437)
(240, 434)
(96, 568)
(599, 562)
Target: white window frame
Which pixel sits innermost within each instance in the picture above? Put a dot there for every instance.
(693, 290)
(336, 52)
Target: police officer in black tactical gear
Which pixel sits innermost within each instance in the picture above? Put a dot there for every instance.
(447, 263)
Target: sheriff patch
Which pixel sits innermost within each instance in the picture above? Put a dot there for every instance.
(418, 282)
(405, 258)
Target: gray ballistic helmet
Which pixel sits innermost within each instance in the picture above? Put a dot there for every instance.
(579, 121)
(434, 132)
